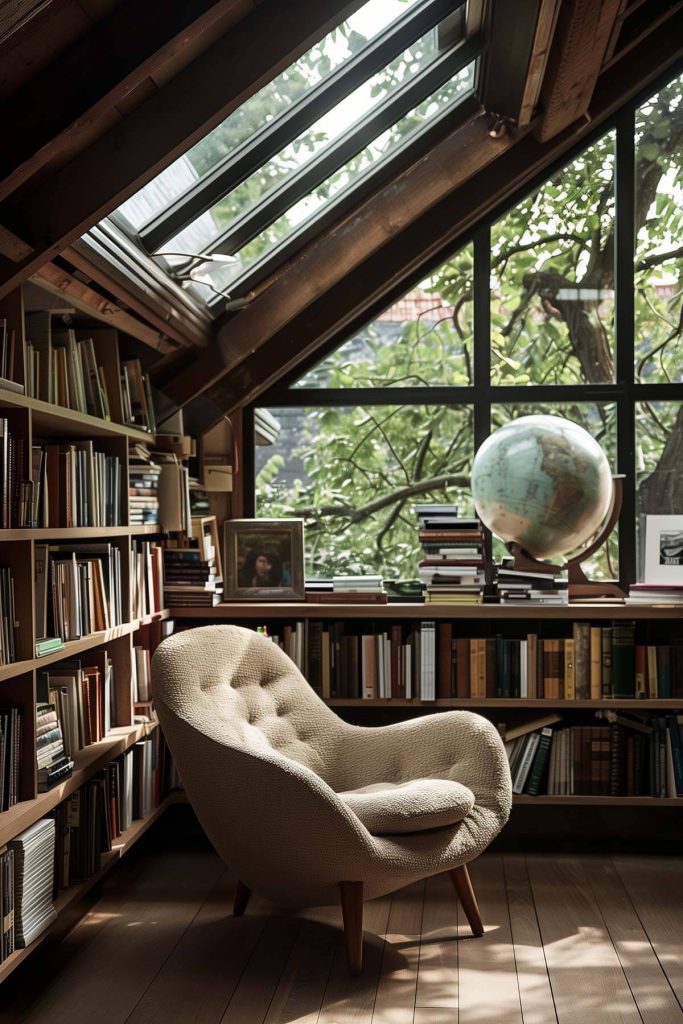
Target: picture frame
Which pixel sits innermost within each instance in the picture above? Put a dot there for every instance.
(663, 549)
(263, 560)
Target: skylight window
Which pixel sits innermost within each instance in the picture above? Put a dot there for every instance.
(323, 125)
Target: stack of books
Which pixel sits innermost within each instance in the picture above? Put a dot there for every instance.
(6, 904)
(147, 578)
(189, 580)
(358, 589)
(48, 645)
(521, 587)
(136, 397)
(82, 697)
(8, 617)
(528, 750)
(143, 486)
(53, 764)
(7, 340)
(346, 590)
(86, 589)
(655, 593)
(10, 754)
(64, 369)
(71, 485)
(452, 569)
(16, 509)
(34, 853)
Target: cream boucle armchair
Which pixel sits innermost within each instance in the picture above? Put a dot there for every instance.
(307, 808)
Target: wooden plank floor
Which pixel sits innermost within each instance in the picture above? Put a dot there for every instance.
(568, 939)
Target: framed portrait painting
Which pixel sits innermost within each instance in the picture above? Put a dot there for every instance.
(264, 560)
(664, 549)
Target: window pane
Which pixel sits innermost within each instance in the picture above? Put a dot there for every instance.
(266, 105)
(368, 160)
(552, 278)
(353, 474)
(659, 458)
(659, 226)
(599, 419)
(423, 339)
(322, 134)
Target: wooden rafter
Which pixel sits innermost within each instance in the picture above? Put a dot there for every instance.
(85, 298)
(540, 52)
(577, 55)
(164, 126)
(512, 31)
(95, 73)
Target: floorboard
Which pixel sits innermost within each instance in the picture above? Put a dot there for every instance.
(568, 940)
(655, 886)
(437, 980)
(535, 993)
(487, 985)
(585, 973)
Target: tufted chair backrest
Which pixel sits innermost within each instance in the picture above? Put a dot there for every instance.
(240, 689)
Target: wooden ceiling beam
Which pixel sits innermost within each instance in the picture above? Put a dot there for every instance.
(88, 300)
(581, 39)
(538, 62)
(365, 287)
(98, 179)
(517, 37)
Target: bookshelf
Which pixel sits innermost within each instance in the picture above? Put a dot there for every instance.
(36, 423)
(654, 625)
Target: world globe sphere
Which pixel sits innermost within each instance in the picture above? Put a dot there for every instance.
(543, 482)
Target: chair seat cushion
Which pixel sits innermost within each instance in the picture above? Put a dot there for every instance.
(387, 807)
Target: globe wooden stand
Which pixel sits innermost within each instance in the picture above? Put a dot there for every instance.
(579, 585)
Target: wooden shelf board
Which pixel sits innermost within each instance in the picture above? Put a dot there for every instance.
(75, 892)
(62, 422)
(75, 532)
(146, 529)
(305, 610)
(615, 703)
(74, 647)
(165, 613)
(600, 801)
(88, 761)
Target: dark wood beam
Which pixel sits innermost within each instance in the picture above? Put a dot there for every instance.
(577, 54)
(327, 261)
(538, 62)
(94, 74)
(14, 14)
(88, 300)
(164, 126)
(510, 34)
(368, 286)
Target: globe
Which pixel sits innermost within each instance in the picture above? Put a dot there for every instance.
(543, 482)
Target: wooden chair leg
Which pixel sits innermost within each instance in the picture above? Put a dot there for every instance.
(352, 912)
(460, 878)
(242, 896)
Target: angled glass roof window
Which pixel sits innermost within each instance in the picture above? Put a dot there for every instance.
(315, 131)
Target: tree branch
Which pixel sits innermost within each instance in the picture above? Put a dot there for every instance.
(401, 495)
(659, 257)
(560, 236)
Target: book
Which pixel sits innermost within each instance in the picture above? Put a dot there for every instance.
(47, 645)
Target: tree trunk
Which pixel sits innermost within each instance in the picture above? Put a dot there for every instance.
(661, 493)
